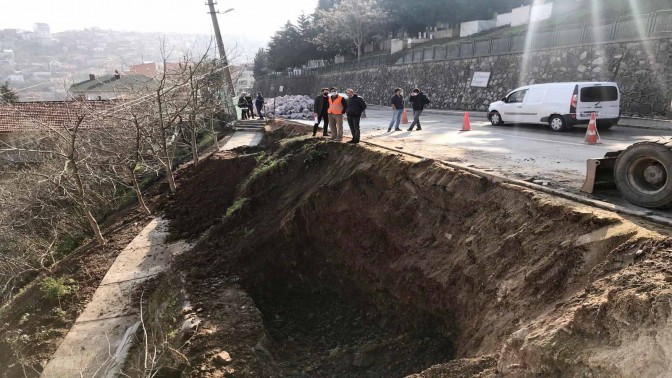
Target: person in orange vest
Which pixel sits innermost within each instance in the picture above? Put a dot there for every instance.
(337, 107)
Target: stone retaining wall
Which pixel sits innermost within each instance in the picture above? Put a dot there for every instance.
(643, 70)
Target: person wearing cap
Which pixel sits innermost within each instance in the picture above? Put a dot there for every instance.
(337, 107)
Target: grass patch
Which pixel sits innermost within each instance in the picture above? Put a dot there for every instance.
(54, 289)
(236, 207)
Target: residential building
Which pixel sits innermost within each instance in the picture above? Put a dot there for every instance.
(243, 78)
(110, 87)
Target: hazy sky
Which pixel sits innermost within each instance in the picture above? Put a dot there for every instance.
(258, 19)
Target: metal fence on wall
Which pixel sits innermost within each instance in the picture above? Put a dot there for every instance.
(625, 28)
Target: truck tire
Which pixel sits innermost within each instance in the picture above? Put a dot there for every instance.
(642, 175)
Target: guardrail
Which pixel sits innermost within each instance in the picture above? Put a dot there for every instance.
(624, 28)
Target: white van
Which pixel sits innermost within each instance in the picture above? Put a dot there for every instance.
(559, 105)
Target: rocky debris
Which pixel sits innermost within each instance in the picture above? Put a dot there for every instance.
(292, 107)
(223, 358)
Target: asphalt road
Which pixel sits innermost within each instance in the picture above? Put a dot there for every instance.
(530, 152)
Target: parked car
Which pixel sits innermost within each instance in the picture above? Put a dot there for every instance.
(559, 105)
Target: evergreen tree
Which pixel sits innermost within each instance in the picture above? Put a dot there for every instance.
(7, 94)
(260, 63)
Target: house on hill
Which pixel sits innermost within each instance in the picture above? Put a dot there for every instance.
(110, 87)
(23, 124)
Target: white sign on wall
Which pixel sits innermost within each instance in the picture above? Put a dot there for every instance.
(480, 79)
(281, 88)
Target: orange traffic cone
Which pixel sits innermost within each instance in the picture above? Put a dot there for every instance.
(466, 125)
(404, 117)
(592, 136)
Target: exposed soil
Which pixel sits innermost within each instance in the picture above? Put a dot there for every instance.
(320, 259)
(343, 261)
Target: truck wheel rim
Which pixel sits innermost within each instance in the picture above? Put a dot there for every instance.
(556, 123)
(647, 175)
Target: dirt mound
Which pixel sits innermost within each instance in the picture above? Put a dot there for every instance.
(337, 260)
(204, 193)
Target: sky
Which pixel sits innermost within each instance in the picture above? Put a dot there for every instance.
(257, 19)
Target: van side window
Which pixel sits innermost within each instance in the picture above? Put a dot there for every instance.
(516, 97)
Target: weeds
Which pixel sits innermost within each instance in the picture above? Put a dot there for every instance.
(56, 288)
(237, 205)
(270, 166)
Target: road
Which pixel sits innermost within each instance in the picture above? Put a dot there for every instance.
(529, 152)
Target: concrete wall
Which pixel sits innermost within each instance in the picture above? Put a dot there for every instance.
(473, 27)
(541, 12)
(504, 19)
(520, 16)
(642, 69)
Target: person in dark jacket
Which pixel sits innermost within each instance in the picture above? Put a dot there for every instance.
(418, 101)
(259, 103)
(242, 104)
(250, 105)
(397, 103)
(321, 110)
(356, 106)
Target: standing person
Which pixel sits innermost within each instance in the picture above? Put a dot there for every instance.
(259, 103)
(321, 108)
(356, 106)
(242, 104)
(337, 106)
(418, 101)
(250, 105)
(397, 102)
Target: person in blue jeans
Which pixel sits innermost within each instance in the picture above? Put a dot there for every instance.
(397, 102)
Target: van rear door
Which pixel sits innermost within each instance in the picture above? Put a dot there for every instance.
(601, 99)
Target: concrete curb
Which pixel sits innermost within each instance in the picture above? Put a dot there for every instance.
(635, 123)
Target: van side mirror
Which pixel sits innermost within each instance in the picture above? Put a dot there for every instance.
(504, 99)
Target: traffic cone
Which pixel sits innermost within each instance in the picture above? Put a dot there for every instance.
(592, 136)
(404, 117)
(466, 125)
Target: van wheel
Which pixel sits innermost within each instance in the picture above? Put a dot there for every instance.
(558, 123)
(496, 119)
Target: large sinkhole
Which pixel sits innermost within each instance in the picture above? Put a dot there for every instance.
(360, 263)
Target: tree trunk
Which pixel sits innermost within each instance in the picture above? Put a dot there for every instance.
(194, 145)
(359, 50)
(94, 226)
(169, 178)
(214, 134)
(138, 194)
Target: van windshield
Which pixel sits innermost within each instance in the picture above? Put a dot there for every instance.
(599, 94)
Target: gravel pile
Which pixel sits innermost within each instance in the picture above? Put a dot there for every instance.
(291, 107)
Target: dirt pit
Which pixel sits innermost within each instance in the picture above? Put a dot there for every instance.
(334, 260)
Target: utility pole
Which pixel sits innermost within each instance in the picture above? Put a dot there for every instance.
(222, 54)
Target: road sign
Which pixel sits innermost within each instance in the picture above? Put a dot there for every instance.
(480, 79)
